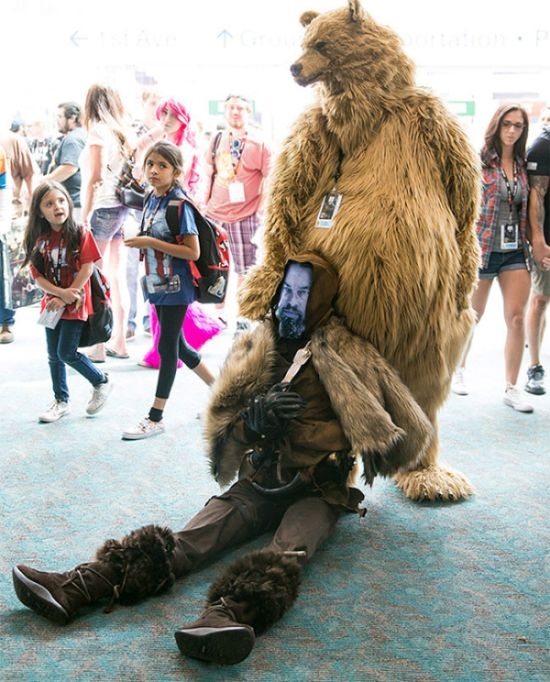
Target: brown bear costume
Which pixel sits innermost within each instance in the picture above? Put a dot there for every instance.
(403, 239)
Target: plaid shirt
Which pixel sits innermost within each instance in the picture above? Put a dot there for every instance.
(487, 226)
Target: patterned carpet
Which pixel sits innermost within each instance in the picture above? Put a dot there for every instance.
(423, 592)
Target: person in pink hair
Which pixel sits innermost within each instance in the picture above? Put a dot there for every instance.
(175, 120)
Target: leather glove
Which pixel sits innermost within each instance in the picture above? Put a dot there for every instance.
(268, 415)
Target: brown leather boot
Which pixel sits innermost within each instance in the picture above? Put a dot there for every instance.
(217, 636)
(59, 596)
(136, 567)
(251, 594)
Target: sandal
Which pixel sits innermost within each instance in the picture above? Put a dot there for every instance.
(113, 354)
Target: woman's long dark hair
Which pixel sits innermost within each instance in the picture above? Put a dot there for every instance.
(37, 225)
(492, 144)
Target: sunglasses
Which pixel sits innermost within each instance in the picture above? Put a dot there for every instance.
(244, 99)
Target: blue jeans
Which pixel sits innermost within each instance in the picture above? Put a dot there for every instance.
(62, 343)
(7, 314)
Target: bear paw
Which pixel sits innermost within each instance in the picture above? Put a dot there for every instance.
(434, 483)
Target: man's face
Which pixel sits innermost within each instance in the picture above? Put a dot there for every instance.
(237, 113)
(290, 309)
(62, 122)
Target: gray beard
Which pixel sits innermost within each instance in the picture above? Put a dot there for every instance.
(290, 328)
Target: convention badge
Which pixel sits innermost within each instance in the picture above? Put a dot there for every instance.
(236, 192)
(329, 209)
(509, 237)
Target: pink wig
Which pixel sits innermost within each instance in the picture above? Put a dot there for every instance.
(184, 133)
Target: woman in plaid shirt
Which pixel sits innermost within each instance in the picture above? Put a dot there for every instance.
(501, 230)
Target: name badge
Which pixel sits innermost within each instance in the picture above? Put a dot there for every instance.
(509, 237)
(236, 192)
(329, 209)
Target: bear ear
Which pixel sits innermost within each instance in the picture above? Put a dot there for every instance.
(356, 11)
(308, 17)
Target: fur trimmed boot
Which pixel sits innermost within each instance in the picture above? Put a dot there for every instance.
(249, 596)
(128, 570)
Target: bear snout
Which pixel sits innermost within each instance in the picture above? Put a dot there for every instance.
(296, 69)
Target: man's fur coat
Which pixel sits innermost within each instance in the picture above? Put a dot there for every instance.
(380, 418)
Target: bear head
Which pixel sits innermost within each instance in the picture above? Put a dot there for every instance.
(346, 49)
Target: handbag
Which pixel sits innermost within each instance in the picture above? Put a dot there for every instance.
(99, 325)
(128, 190)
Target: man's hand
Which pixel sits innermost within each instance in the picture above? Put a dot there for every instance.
(268, 415)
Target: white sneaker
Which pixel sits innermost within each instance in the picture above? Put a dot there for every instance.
(514, 399)
(145, 429)
(54, 412)
(459, 383)
(99, 397)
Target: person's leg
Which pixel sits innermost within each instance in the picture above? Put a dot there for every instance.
(131, 228)
(69, 340)
(535, 325)
(257, 589)
(150, 558)
(7, 314)
(119, 295)
(106, 224)
(480, 297)
(170, 320)
(305, 526)
(58, 372)
(192, 359)
(226, 520)
(137, 566)
(515, 286)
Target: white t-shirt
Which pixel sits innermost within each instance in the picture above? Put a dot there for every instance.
(111, 157)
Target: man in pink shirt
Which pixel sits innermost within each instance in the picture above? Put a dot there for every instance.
(237, 164)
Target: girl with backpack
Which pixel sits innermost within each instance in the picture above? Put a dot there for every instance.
(168, 280)
(61, 256)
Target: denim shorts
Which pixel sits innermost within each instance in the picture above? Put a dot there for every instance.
(107, 223)
(500, 262)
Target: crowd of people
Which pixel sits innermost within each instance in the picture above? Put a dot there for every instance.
(226, 174)
(170, 159)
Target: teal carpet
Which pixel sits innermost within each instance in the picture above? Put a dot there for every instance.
(423, 592)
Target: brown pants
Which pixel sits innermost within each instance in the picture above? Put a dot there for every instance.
(242, 513)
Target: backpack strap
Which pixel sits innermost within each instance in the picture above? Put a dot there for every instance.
(215, 145)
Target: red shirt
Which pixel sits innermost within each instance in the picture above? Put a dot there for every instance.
(61, 268)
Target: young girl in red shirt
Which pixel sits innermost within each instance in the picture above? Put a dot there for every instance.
(61, 256)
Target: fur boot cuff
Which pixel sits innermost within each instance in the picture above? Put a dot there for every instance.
(267, 581)
(144, 558)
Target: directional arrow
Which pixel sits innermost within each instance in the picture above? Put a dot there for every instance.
(225, 37)
(75, 38)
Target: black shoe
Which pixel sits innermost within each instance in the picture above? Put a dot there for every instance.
(535, 380)
(216, 638)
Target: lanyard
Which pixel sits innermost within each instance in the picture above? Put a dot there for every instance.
(153, 214)
(511, 192)
(236, 148)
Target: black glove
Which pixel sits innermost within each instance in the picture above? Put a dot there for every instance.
(268, 415)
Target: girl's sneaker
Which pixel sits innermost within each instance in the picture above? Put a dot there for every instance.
(145, 429)
(514, 399)
(54, 412)
(100, 393)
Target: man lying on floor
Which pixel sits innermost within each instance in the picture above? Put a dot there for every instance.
(299, 403)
